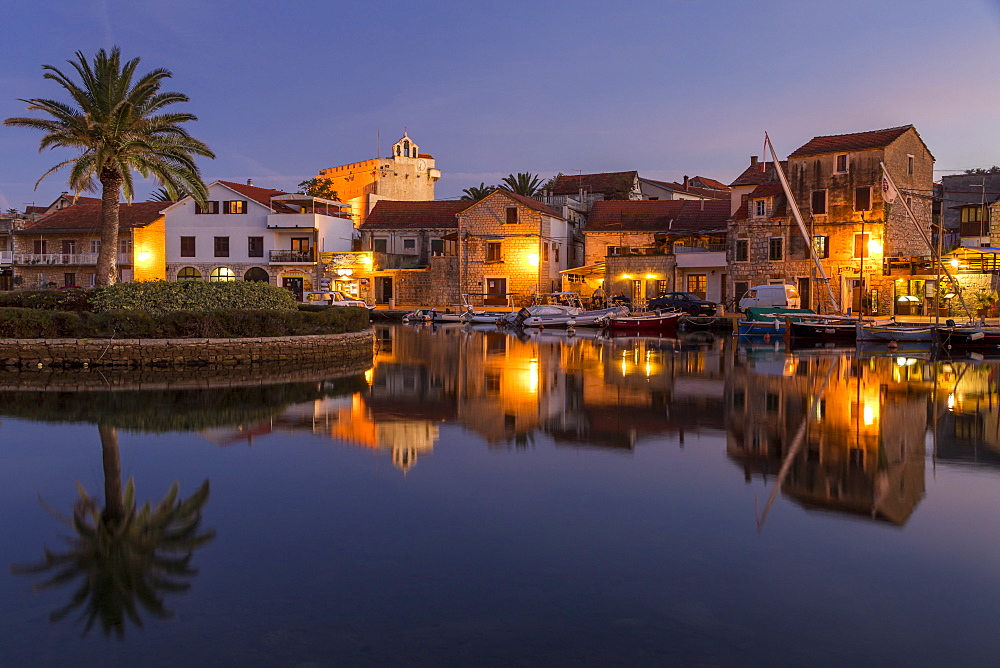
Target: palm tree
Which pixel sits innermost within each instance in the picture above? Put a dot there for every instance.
(476, 193)
(523, 183)
(123, 558)
(115, 122)
(164, 195)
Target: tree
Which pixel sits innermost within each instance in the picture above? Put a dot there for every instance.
(164, 195)
(116, 124)
(523, 183)
(979, 170)
(317, 187)
(121, 557)
(476, 193)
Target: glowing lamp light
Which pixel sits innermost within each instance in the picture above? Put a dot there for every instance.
(345, 271)
(874, 247)
(143, 256)
(955, 263)
(366, 259)
(650, 277)
(868, 414)
(533, 259)
(627, 277)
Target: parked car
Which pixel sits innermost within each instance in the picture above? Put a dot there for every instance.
(688, 302)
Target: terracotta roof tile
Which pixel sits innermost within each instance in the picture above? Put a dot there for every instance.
(30, 209)
(766, 190)
(87, 217)
(703, 192)
(595, 183)
(530, 203)
(676, 215)
(706, 182)
(858, 141)
(389, 214)
(260, 195)
(758, 174)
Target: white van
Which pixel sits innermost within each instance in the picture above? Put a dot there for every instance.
(772, 296)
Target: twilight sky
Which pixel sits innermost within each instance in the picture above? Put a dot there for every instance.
(669, 88)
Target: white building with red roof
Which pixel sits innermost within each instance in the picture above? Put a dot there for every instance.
(249, 233)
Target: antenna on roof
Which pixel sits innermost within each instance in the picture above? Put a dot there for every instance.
(378, 143)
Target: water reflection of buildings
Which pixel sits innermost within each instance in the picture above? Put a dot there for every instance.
(968, 414)
(865, 424)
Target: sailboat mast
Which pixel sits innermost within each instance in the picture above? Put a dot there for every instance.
(802, 226)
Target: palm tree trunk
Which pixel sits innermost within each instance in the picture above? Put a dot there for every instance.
(114, 505)
(107, 259)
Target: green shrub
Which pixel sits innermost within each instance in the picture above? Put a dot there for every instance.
(157, 297)
(26, 323)
(52, 300)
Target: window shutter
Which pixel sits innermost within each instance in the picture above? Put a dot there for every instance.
(225, 207)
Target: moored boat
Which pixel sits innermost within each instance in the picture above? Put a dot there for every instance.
(662, 323)
(976, 339)
(894, 332)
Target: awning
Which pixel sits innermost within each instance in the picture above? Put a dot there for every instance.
(588, 269)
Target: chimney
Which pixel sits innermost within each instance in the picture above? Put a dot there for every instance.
(685, 182)
(753, 161)
(249, 182)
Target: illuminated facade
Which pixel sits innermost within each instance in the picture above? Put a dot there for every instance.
(61, 249)
(859, 239)
(407, 174)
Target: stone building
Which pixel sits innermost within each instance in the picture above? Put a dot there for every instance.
(61, 249)
(699, 187)
(407, 174)
(871, 252)
(413, 245)
(248, 233)
(642, 249)
(511, 248)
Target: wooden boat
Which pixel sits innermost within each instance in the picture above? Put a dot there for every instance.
(894, 332)
(767, 323)
(976, 339)
(829, 329)
(662, 323)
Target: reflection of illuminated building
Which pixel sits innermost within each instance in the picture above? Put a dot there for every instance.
(863, 446)
(968, 413)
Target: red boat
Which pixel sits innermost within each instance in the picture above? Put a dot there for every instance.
(661, 323)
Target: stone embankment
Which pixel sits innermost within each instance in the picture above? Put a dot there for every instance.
(329, 349)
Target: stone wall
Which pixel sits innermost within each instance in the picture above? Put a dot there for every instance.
(435, 285)
(341, 349)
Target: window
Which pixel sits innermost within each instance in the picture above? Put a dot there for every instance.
(222, 274)
(555, 251)
(69, 280)
(437, 247)
(125, 246)
(187, 246)
(235, 206)
(68, 247)
(740, 288)
(511, 215)
(697, 283)
(742, 250)
(379, 245)
(819, 202)
(95, 245)
(409, 244)
(300, 244)
(759, 208)
(662, 287)
(772, 402)
(492, 383)
(221, 246)
(210, 207)
(776, 249)
(909, 164)
(863, 198)
(39, 246)
(861, 245)
(909, 203)
(255, 246)
(493, 251)
(841, 167)
(972, 214)
(188, 274)
(256, 275)
(821, 244)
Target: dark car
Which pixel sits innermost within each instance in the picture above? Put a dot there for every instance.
(688, 302)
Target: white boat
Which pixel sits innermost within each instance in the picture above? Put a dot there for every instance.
(557, 315)
(421, 315)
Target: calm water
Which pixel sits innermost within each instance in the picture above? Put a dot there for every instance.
(482, 499)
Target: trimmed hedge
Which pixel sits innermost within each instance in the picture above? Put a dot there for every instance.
(50, 300)
(158, 297)
(28, 323)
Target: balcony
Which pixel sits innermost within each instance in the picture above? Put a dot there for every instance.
(27, 259)
(701, 248)
(975, 229)
(291, 257)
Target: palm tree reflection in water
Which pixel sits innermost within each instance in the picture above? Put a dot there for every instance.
(124, 559)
